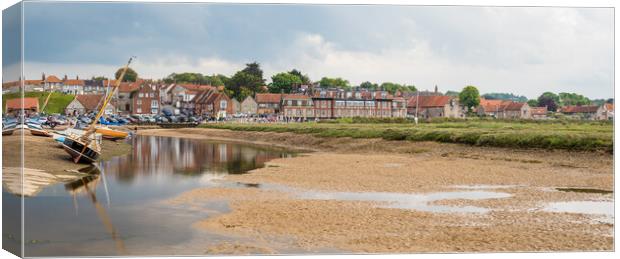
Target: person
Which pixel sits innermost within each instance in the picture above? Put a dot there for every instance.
(416, 120)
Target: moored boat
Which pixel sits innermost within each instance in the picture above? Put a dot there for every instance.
(37, 130)
(111, 133)
(81, 152)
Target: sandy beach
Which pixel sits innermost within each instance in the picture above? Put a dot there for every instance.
(526, 183)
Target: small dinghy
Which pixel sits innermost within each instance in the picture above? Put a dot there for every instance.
(37, 130)
(111, 134)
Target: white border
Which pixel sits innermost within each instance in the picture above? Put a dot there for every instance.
(566, 3)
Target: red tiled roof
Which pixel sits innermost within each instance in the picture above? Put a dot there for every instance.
(268, 98)
(33, 82)
(16, 104)
(74, 82)
(53, 79)
(10, 84)
(513, 106)
(580, 109)
(128, 87)
(609, 106)
(429, 101)
(89, 101)
(538, 110)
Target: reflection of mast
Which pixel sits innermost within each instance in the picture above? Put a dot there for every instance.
(85, 184)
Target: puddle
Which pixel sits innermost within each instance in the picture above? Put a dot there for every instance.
(601, 210)
(420, 202)
(584, 190)
(484, 186)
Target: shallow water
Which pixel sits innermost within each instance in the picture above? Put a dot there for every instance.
(601, 210)
(119, 211)
(421, 202)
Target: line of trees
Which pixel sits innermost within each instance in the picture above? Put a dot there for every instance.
(250, 80)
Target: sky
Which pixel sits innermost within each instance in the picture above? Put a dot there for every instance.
(520, 50)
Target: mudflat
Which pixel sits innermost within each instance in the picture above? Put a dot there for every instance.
(44, 153)
(344, 196)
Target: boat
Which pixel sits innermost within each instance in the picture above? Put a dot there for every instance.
(81, 151)
(84, 148)
(111, 134)
(37, 130)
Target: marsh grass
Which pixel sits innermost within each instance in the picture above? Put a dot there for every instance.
(569, 136)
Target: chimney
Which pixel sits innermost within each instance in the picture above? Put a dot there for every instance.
(43, 76)
(436, 90)
(65, 77)
(77, 77)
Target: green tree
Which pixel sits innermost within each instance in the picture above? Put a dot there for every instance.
(532, 103)
(130, 75)
(369, 85)
(393, 87)
(470, 97)
(283, 82)
(573, 99)
(304, 78)
(505, 96)
(254, 69)
(335, 82)
(549, 99)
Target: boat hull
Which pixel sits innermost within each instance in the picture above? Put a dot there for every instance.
(74, 148)
(111, 134)
(7, 132)
(38, 132)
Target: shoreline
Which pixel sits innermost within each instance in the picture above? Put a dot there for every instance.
(528, 178)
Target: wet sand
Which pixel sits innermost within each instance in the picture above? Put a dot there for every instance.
(515, 223)
(44, 153)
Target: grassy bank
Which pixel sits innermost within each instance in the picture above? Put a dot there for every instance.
(569, 136)
(57, 103)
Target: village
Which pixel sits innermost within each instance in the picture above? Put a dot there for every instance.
(306, 102)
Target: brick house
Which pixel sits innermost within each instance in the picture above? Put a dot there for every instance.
(145, 99)
(539, 113)
(268, 103)
(585, 112)
(213, 104)
(296, 106)
(516, 110)
(30, 105)
(433, 106)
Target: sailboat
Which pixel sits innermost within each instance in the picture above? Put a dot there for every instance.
(35, 126)
(108, 133)
(82, 148)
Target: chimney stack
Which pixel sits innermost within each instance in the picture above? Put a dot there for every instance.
(43, 76)
(66, 77)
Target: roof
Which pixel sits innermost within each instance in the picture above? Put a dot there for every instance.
(128, 87)
(53, 79)
(192, 87)
(16, 103)
(33, 82)
(268, 98)
(295, 96)
(609, 106)
(580, 109)
(513, 106)
(89, 101)
(538, 110)
(429, 101)
(74, 82)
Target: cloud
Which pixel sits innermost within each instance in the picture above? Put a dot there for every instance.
(499, 49)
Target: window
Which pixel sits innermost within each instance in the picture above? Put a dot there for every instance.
(139, 102)
(153, 110)
(139, 110)
(223, 104)
(141, 95)
(154, 103)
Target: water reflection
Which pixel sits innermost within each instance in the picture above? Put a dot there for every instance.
(116, 208)
(162, 155)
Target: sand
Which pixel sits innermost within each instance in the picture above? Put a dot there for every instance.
(45, 154)
(515, 223)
